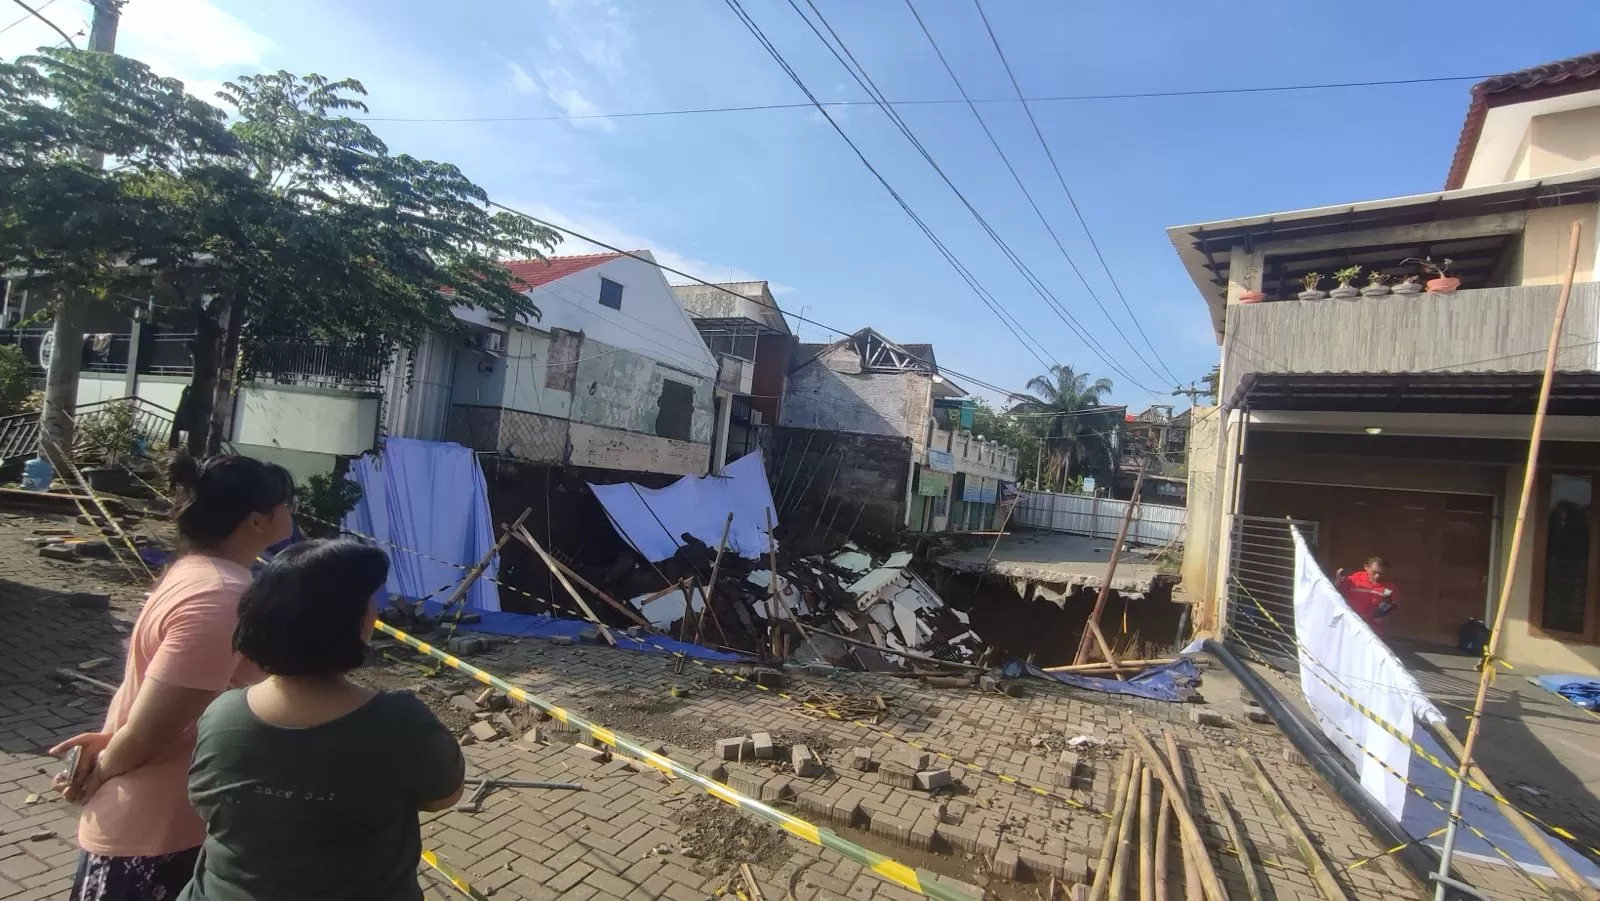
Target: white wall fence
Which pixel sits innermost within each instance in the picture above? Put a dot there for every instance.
(1153, 524)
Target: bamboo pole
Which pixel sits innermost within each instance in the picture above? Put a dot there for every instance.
(772, 589)
(620, 607)
(1247, 862)
(562, 578)
(1108, 846)
(1147, 804)
(1188, 831)
(1320, 873)
(1163, 843)
(1508, 581)
(1093, 628)
(1102, 665)
(1530, 833)
(1120, 864)
(1191, 882)
(711, 586)
(477, 569)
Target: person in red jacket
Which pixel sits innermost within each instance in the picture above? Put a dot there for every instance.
(1368, 593)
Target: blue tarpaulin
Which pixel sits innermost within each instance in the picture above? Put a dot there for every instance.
(533, 625)
(427, 497)
(1168, 682)
(1581, 690)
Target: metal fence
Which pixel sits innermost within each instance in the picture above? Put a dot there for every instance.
(1260, 594)
(1154, 525)
(310, 361)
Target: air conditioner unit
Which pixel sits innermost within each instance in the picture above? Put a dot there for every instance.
(489, 342)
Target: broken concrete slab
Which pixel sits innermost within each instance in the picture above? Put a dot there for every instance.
(929, 780)
(464, 704)
(735, 748)
(1065, 562)
(484, 731)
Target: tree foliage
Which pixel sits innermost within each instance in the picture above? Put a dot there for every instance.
(281, 216)
(1211, 380)
(1079, 440)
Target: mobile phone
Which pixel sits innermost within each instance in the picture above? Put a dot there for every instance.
(74, 761)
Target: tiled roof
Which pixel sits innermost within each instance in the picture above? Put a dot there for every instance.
(1567, 76)
(534, 273)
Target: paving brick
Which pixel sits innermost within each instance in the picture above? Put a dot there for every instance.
(761, 743)
(929, 780)
(1006, 863)
(805, 763)
(897, 776)
(738, 748)
(861, 759)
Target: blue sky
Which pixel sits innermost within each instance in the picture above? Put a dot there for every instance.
(778, 195)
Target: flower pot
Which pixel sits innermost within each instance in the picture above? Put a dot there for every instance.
(1443, 285)
(1408, 288)
(1251, 296)
(1313, 295)
(1344, 292)
(1374, 290)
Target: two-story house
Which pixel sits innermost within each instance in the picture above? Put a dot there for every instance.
(612, 375)
(743, 326)
(872, 441)
(1395, 422)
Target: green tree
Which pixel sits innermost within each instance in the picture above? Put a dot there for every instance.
(1022, 433)
(287, 218)
(1079, 436)
(1211, 380)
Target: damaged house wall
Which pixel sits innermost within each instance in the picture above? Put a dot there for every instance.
(868, 426)
(633, 412)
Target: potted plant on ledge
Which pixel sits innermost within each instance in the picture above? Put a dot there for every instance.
(1309, 282)
(1442, 282)
(1248, 295)
(1377, 284)
(1408, 286)
(1344, 277)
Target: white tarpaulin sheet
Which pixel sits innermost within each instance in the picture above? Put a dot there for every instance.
(1337, 646)
(654, 520)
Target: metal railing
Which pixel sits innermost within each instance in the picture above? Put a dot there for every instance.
(311, 361)
(1260, 590)
(19, 436)
(117, 425)
(1154, 525)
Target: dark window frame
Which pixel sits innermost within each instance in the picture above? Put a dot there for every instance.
(675, 415)
(1536, 588)
(604, 283)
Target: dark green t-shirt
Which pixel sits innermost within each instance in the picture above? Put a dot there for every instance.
(328, 811)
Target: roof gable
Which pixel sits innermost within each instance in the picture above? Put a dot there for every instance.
(1555, 79)
(533, 273)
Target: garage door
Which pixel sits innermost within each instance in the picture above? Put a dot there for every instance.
(1436, 545)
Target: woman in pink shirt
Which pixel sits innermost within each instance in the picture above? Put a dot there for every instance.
(139, 834)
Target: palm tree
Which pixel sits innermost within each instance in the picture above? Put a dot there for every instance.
(1080, 433)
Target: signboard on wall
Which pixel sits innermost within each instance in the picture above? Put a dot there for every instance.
(941, 461)
(972, 489)
(932, 484)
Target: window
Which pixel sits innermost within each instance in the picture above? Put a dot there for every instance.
(610, 293)
(1564, 590)
(676, 410)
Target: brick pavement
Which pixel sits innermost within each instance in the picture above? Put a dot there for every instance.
(625, 836)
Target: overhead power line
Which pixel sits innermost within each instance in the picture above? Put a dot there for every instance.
(35, 14)
(977, 288)
(993, 141)
(859, 74)
(1070, 199)
(1059, 98)
(965, 377)
(31, 13)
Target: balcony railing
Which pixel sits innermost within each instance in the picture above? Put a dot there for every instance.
(974, 456)
(310, 361)
(1486, 330)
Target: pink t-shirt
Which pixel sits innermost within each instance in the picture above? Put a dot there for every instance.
(184, 637)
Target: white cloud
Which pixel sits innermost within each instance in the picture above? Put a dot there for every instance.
(192, 40)
(521, 81)
(604, 230)
(566, 91)
(598, 30)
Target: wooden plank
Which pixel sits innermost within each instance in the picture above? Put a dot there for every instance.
(1247, 862)
(561, 577)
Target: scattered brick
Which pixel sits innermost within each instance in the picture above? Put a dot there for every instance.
(952, 812)
(1290, 755)
(1068, 772)
(590, 752)
(1006, 864)
(712, 768)
(1207, 718)
(734, 748)
(464, 646)
(916, 761)
(463, 703)
(963, 840)
(928, 780)
(57, 552)
(861, 759)
(762, 743)
(896, 775)
(805, 763)
(484, 731)
(533, 736)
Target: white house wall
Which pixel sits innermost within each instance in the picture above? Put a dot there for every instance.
(651, 322)
(618, 389)
(418, 388)
(829, 396)
(323, 421)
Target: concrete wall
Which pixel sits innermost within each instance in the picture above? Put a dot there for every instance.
(870, 492)
(621, 390)
(1563, 142)
(1545, 245)
(833, 394)
(301, 464)
(317, 420)
(1199, 538)
(603, 448)
(162, 390)
(651, 322)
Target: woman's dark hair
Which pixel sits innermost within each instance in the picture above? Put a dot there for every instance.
(212, 496)
(303, 615)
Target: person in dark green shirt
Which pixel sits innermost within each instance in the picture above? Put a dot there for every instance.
(309, 784)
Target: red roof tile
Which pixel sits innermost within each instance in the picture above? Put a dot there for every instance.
(1567, 76)
(534, 273)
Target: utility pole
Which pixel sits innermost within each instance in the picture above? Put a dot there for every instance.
(72, 309)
